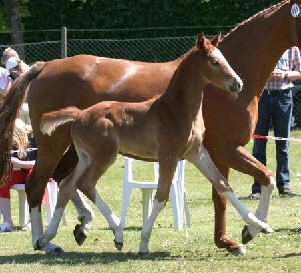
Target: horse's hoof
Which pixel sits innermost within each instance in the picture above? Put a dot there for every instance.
(241, 250)
(246, 236)
(79, 236)
(143, 254)
(118, 245)
(55, 251)
(267, 230)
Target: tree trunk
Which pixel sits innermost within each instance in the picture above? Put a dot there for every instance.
(12, 12)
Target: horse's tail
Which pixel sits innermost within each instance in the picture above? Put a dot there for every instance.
(50, 121)
(9, 110)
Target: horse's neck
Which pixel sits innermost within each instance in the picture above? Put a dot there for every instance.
(186, 86)
(254, 48)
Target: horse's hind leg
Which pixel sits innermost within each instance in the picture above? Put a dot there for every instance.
(85, 213)
(85, 216)
(35, 187)
(67, 189)
(98, 165)
(167, 167)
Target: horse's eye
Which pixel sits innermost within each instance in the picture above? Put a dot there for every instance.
(215, 63)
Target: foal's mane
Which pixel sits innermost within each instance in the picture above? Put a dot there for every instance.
(254, 17)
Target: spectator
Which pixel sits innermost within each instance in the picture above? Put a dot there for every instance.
(23, 163)
(275, 105)
(14, 67)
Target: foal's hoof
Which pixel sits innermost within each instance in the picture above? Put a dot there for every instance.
(241, 250)
(267, 230)
(118, 245)
(246, 236)
(79, 236)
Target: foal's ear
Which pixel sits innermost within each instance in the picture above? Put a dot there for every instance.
(216, 39)
(201, 42)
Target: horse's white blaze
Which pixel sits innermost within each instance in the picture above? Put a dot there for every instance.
(147, 229)
(218, 54)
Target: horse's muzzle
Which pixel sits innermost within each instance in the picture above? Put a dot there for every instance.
(236, 86)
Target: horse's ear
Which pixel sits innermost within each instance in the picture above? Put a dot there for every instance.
(216, 39)
(201, 42)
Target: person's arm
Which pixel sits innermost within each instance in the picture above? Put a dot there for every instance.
(20, 164)
(4, 91)
(290, 75)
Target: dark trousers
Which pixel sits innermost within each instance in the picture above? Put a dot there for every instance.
(278, 110)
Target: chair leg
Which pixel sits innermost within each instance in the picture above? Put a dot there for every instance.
(147, 199)
(126, 192)
(23, 208)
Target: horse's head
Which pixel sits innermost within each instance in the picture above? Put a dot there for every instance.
(216, 69)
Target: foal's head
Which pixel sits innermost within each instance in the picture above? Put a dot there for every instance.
(216, 68)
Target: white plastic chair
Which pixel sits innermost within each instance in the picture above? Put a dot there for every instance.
(50, 198)
(177, 194)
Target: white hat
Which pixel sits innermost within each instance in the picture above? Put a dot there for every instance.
(11, 63)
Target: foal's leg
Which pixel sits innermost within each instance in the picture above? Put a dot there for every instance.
(98, 165)
(67, 189)
(35, 187)
(204, 163)
(85, 216)
(238, 158)
(167, 167)
(85, 213)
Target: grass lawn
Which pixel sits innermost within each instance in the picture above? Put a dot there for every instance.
(191, 250)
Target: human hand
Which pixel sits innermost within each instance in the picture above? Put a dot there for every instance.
(277, 74)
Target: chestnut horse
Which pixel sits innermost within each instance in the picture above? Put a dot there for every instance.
(166, 129)
(252, 48)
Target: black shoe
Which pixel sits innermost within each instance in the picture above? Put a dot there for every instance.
(255, 195)
(286, 192)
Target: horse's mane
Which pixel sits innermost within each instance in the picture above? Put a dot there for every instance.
(255, 16)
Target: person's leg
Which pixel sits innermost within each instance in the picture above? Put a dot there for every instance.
(262, 129)
(18, 177)
(281, 116)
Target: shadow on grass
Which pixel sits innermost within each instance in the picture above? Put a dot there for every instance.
(77, 258)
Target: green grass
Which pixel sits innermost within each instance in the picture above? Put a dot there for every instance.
(171, 250)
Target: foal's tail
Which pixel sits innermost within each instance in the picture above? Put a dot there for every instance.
(50, 121)
(9, 110)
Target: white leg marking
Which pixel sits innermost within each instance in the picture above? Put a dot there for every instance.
(111, 218)
(147, 229)
(204, 163)
(248, 217)
(52, 229)
(85, 212)
(37, 231)
(263, 206)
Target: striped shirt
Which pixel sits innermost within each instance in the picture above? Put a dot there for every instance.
(289, 61)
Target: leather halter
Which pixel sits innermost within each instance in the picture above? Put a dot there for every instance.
(292, 2)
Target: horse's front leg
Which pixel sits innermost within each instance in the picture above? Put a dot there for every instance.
(167, 167)
(236, 157)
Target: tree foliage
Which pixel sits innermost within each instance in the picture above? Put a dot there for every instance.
(134, 14)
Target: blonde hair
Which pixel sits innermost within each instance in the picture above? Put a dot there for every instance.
(20, 135)
(7, 53)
